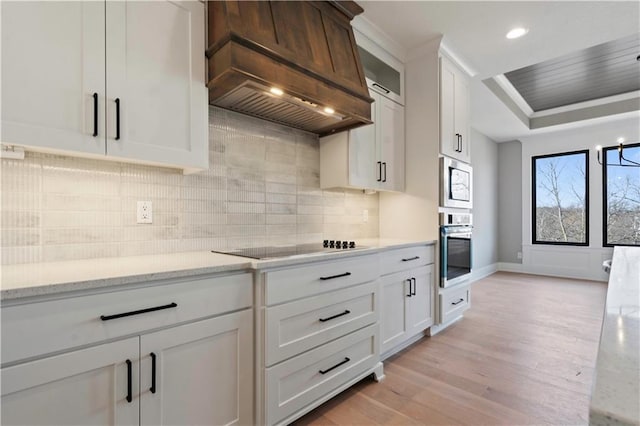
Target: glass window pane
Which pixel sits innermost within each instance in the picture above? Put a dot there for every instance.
(622, 192)
(560, 199)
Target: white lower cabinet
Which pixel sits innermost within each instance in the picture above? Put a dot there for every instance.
(317, 333)
(407, 305)
(453, 302)
(83, 387)
(406, 296)
(191, 373)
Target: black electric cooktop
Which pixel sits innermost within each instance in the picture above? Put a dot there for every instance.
(271, 252)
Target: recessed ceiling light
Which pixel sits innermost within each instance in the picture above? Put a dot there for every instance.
(276, 91)
(329, 110)
(517, 32)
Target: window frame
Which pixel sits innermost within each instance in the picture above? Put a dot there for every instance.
(605, 200)
(533, 200)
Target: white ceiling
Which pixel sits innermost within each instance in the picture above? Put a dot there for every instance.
(475, 32)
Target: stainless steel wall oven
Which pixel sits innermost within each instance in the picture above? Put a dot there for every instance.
(455, 248)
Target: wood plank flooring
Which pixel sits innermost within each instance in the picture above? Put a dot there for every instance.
(523, 354)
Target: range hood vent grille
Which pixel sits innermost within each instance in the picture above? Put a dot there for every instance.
(254, 100)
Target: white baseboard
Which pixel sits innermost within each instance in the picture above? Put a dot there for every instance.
(510, 267)
(485, 271)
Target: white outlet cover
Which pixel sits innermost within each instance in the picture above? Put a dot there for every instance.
(144, 212)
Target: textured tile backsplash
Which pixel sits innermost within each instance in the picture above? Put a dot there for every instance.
(262, 187)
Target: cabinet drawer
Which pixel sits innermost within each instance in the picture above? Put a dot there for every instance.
(454, 302)
(38, 328)
(298, 326)
(300, 381)
(320, 277)
(405, 258)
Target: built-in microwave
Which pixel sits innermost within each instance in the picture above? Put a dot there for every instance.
(456, 189)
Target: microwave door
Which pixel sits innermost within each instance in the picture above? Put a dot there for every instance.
(459, 185)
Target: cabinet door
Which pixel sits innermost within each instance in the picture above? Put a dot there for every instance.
(155, 71)
(363, 171)
(420, 309)
(84, 387)
(203, 373)
(449, 143)
(462, 117)
(391, 144)
(53, 61)
(393, 304)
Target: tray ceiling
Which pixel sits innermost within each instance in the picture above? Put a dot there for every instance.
(600, 71)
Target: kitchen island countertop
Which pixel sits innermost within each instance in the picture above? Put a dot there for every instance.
(615, 398)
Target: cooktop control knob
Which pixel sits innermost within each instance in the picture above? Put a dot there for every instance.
(345, 244)
(325, 243)
(352, 244)
(331, 244)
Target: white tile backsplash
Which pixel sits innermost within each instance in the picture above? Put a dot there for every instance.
(262, 187)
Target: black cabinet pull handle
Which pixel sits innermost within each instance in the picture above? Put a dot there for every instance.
(385, 172)
(141, 311)
(346, 360)
(153, 373)
(346, 312)
(95, 115)
(346, 274)
(129, 381)
(410, 292)
(117, 119)
(458, 302)
(413, 293)
(411, 258)
(379, 171)
(383, 88)
(460, 141)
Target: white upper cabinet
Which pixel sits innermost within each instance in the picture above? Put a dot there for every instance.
(455, 132)
(125, 79)
(368, 157)
(53, 71)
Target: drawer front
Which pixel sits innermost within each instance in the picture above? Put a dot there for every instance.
(300, 381)
(405, 258)
(295, 283)
(38, 328)
(454, 302)
(298, 326)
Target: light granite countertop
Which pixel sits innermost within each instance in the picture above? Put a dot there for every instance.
(615, 398)
(42, 279)
(45, 279)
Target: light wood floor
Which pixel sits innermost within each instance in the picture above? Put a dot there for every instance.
(523, 354)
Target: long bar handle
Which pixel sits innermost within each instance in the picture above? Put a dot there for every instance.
(413, 293)
(458, 302)
(410, 292)
(95, 114)
(382, 87)
(346, 274)
(141, 311)
(346, 312)
(346, 360)
(153, 373)
(411, 258)
(129, 385)
(117, 118)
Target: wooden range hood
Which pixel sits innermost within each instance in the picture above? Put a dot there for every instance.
(305, 49)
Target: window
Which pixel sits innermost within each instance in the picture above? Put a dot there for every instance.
(621, 193)
(560, 198)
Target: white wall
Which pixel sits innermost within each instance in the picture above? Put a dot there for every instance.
(484, 154)
(578, 262)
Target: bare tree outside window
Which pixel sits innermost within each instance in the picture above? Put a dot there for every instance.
(560, 198)
(621, 197)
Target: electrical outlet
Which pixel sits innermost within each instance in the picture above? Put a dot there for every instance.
(365, 216)
(519, 255)
(145, 212)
